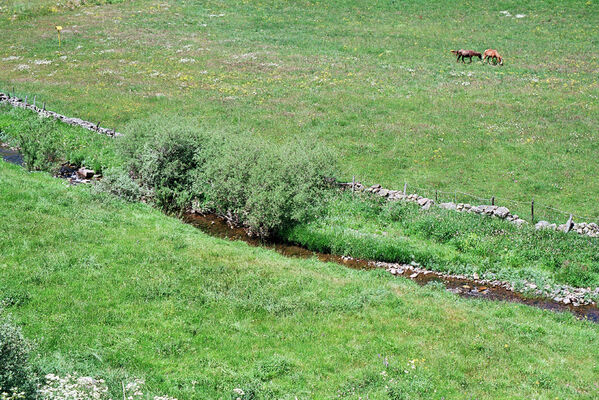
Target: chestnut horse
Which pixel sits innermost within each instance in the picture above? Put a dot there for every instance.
(466, 53)
(492, 54)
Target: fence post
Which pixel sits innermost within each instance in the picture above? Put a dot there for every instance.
(492, 200)
(34, 98)
(436, 196)
(353, 185)
(405, 188)
(44, 107)
(25, 101)
(532, 211)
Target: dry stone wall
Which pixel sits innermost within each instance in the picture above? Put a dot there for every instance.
(23, 103)
(582, 228)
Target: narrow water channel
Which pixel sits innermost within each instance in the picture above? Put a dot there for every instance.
(215, 226)
(10, 155)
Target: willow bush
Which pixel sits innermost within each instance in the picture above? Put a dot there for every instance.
(265, 187)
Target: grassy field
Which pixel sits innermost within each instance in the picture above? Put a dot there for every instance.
(120, 290)
(374, 80)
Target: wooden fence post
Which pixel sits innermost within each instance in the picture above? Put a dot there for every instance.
(34, 98)
(436, 196)
(492, 200)
(405, 188)
(532, 211)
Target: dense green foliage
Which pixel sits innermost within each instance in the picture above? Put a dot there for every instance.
(46, 143)
(118, 290)
(17, 375)
(261, 186)
(367, 227)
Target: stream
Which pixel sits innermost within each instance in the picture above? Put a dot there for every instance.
(215, 226)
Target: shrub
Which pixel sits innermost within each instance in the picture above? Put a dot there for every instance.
(264, 187)
(37, 144)
(16, 371)
(161, 156)
(118, 182)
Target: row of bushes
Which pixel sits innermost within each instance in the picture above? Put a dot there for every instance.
(177, 163)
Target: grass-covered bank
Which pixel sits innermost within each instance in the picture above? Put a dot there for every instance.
(177, 162)
(119, 290)
(366, 226)
(45, 143)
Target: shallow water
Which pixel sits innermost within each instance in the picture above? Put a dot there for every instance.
(471, 288)
(11, 156)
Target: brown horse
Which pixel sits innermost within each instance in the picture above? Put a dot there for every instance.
(461, 53)
(492, 54)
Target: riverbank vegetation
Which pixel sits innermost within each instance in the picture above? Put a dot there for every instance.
(365, 226)
(176, 164)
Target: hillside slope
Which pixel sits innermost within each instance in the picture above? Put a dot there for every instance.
(120, 290)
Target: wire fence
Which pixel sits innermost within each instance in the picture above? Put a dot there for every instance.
(533, 210)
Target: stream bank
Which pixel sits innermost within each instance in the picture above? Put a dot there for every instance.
(463, 286)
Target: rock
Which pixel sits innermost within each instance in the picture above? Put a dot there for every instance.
(569, 224)
(427, 206)
(414, 275)
(542, 225)
(501, 212)
(448, 206)
(423, 201)
(520, 222)
(477, 210)
(489, 210)
(383, 192)
(85, 173)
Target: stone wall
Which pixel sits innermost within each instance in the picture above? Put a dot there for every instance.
(582, 228)
(22, 103)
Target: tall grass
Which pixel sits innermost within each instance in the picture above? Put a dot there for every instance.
(368, 227)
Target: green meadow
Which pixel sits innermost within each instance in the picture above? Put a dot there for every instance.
(372, 79)
(216, 95)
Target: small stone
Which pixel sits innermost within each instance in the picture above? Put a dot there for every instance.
(85, 173)
(414, 275)
(448, 206)
(542, 225)
(501, 212)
